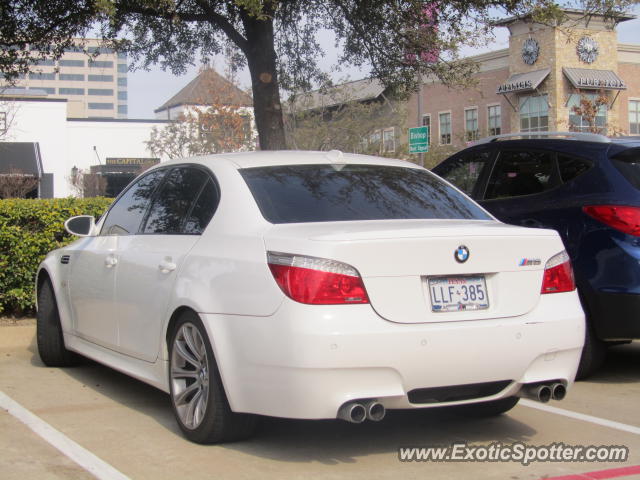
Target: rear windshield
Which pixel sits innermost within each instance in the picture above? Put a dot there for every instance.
(628, 163)
(329, 193)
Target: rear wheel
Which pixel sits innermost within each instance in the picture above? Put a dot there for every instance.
(486, 409)
(197, 394)
(49, 330)
(594, 353)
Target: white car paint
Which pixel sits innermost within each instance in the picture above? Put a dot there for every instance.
(282, 358)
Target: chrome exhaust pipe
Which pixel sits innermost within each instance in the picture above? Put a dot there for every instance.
(540, 393)
(375, 410)
(353, 412)
(558, 391)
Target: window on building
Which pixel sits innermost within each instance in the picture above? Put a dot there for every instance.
(100, 106)
(100, 50)
(122, 55)
(122, 95)
(122, 81)
(100, 64)
(45, 62)
(3, 122)
(426, 122)
(374, 139)
(122, 109)
(101, 78)
(73, 49)
(72, 77)
(495, 120)
(471, 131)
(582, 123)
(42, 76)
(48, 90)
(71, 91)
(445, 128)
(389, 140)
(123, 68)
(634, 117)
(71, 63)
(534, 113)
(101, 91)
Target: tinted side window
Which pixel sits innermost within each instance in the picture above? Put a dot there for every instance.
(203, 210)
(177, 195)
(628, 164)
(571, 167)
(521, 173)
(127, 213)
(465, 170)
(327, 193)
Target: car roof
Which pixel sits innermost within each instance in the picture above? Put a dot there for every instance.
(290, 157)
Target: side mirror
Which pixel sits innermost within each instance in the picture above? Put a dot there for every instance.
(80, 226)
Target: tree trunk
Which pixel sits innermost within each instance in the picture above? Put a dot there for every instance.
(261, 59)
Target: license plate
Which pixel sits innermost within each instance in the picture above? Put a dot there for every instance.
(453, 294)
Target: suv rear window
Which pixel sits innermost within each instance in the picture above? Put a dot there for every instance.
(628, 163)
(327, 193)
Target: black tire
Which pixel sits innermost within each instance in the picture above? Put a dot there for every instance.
(218, 423)
(49, 331)
(593, 356)
(486, 409)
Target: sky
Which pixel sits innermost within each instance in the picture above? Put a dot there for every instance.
(148, 90)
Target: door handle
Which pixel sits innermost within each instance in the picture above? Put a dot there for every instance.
(111, 261)
(167, 266)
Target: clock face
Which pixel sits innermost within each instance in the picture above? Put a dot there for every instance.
(587, 49)
(530, 51)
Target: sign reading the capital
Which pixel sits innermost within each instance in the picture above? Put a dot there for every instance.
(419, 140)
(131, 161)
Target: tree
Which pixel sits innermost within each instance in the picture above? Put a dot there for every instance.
(16, 184)
(276, 39)
(218, 120)
(588, 114)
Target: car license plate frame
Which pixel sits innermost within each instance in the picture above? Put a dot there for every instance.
(458, 293)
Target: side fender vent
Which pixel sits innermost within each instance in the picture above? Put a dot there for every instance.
(64, 259)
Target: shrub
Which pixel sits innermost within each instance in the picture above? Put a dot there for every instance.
(29, 229)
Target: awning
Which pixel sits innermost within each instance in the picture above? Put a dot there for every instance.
(594, 79)
(523, 82)
(21, 157)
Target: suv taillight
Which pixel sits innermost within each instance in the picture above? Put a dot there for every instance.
(317, 281)
(623, 218)
(558, 275)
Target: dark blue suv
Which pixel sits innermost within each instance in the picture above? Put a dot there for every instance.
(585, 186)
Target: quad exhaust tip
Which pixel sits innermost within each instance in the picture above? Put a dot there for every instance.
(359, 411)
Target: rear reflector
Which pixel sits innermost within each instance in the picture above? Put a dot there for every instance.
(623, 218)
(316, 281)
(558, 275)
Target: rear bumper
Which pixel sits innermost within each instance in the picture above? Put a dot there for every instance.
(306, 361)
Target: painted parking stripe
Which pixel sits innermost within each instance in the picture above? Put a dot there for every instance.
(600, 474)
(581, 416)
(83, 457)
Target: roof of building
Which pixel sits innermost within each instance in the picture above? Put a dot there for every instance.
(209, 88)
(503, 22)
(355, 91)
(22, 157)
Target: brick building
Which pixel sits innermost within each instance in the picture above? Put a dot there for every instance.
(533, 85)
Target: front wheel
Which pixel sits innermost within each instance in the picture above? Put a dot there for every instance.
(197, 394)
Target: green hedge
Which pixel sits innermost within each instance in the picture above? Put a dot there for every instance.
(29, 229)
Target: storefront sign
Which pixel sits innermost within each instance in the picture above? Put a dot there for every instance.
(587, 82)
(515, 86)
(131, 161)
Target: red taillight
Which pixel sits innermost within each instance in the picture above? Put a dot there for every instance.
(558, 275)
(623, 218)
(317, 281)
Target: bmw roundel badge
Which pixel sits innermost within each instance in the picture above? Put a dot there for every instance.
(461, 254)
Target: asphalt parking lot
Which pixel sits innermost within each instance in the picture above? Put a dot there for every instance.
(128, 430)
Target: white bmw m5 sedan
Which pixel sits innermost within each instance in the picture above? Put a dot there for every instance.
(311, 285)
